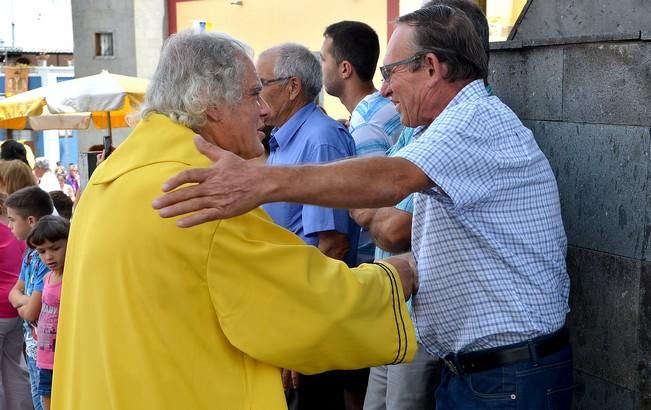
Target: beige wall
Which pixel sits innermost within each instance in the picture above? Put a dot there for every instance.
(150, 27)
(501, 15)
(265, 23)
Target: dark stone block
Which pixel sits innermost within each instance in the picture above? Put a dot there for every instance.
(593, 393)
(602, 173)
(529, 81)
(603, 322)
(608, 83)
(644, 337)
(506, 77)
(557, 18)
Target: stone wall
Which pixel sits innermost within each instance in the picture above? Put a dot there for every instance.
(583, 85)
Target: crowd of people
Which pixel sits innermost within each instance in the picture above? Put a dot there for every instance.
(410, 257)
(32, 256)
(36, 205)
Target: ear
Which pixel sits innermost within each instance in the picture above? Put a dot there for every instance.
(436, 70)
(345, 70)
(295, 87)
(31, 221)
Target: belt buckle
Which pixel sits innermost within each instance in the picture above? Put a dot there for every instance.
(449, 362)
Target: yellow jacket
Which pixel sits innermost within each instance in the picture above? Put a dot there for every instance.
(158, 317)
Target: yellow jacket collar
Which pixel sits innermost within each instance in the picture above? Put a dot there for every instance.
(155, 139)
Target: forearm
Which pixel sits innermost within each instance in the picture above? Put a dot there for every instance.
(233, 186)
(391, 229)
(17, 298)
(354, 183)
(32, 309)
(28, 313)
(363, 217)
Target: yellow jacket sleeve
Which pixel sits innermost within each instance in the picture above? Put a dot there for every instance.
(283, 302)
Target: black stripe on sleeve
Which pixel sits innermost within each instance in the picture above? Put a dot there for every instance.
(397, 314)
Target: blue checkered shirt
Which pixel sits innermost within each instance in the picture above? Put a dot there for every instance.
(488, 237)
(375, 127)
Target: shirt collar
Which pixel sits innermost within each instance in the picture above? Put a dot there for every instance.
(281, 136)
(470, 92)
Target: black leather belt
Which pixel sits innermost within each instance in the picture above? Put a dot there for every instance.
(491, 358)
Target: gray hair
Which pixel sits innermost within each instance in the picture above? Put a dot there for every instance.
(449, 34)
(294, 60)
(42, 163)
(196, 71)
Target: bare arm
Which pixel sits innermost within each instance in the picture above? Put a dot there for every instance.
(391, 229)
(32, 308)
(363, 217)
(17, 296)
(233, 186)
(333, 244)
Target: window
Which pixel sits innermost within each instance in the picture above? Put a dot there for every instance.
(104, 44)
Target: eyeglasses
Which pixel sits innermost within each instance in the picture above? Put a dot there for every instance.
(441, 53)
(387, 70)
(273, 80)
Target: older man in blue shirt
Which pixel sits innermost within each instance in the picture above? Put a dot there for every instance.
(291, 78)
(303, 134)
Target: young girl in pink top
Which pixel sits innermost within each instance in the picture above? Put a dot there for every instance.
(49, 237)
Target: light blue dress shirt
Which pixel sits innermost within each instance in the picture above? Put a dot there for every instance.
(311, 137)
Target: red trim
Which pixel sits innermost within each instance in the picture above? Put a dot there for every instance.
(393, 12)
(171, 15)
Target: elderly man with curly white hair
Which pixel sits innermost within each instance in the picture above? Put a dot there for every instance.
(158, 317)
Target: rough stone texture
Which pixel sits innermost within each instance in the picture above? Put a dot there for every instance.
(607, 83)
(594, 83)
(592, 393)
(556, 18)
(530, 81)
(644, 337)
(604, 318)
(602, 173)
(103, 15)
(579, 74)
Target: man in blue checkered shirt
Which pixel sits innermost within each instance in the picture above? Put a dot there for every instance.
(487, 232)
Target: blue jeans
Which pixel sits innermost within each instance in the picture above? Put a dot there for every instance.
(33, 381)
(546, 384)
(45, 382)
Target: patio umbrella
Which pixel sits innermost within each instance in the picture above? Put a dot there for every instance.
(66, 121)
(104, 98)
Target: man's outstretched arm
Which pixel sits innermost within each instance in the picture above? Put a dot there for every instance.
(233, 186)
